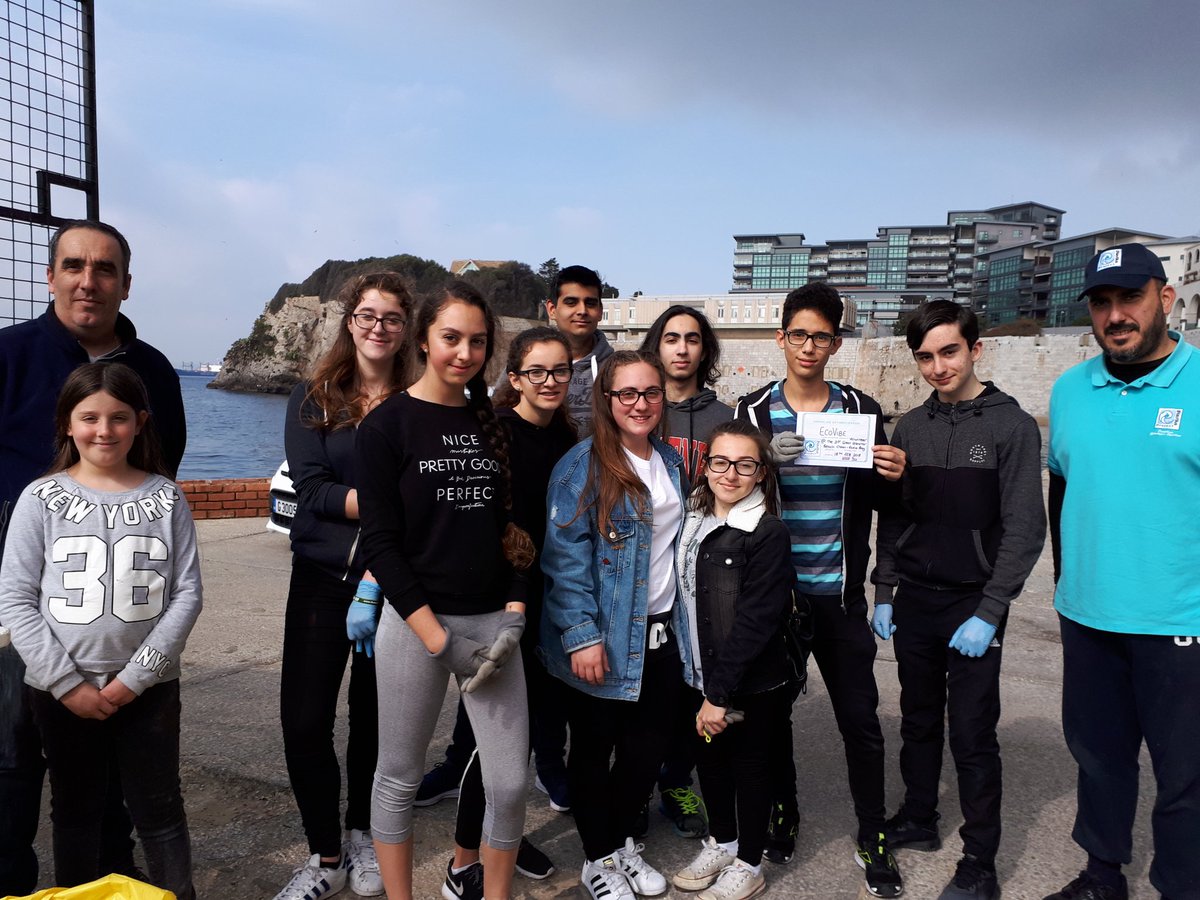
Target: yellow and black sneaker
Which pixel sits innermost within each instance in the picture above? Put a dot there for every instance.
(781, 833)
(879, 867)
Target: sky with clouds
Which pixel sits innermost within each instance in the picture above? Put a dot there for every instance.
(244, 142)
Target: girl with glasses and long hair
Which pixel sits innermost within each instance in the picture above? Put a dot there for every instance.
(324, 621)
(611, 628)
(736, 578)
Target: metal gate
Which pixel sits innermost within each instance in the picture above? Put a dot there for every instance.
(48, 171)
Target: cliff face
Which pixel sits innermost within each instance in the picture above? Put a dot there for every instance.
(289, 333)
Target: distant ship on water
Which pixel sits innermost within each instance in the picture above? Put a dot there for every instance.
(205, 369)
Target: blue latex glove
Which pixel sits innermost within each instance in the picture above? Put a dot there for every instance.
(973, 637)
(881, 621)
(361, 621)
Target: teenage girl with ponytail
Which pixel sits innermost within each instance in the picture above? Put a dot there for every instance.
(434, 500)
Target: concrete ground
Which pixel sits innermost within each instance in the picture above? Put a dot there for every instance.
(246, 832)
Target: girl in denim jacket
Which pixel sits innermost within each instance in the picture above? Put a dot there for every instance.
(611, 627)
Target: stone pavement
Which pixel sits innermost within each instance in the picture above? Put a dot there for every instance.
(246, 832)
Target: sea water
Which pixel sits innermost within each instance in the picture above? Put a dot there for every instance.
(230, 435)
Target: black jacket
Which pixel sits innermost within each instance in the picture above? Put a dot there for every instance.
(864, 491)
(744, 579)
(321, 464)
(972, 516)
(35, 359)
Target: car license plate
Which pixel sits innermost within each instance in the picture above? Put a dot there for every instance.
(285, 507)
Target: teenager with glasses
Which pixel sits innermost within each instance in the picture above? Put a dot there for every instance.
(611, 627)
(828, 512)
(736, 579)
(332, 600)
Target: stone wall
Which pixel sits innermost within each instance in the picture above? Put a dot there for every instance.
(1025, 367)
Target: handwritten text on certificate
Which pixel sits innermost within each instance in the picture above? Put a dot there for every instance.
(837, 439)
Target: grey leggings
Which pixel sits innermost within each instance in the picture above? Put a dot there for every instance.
(412, 687)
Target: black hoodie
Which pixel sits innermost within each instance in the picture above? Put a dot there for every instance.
(972, 516)
(689, 423)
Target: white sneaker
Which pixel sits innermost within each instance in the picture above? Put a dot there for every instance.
(362, 868)
(646, 880)
(736, 882)
(605, 880)
(704, 869)
(313, 881)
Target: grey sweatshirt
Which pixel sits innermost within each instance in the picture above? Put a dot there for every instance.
(98, 584)
(583, 374)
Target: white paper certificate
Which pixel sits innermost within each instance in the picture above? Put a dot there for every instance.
(836, 439)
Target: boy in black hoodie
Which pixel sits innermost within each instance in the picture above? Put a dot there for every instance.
(828, 512)
(683, 338)
(969, 530)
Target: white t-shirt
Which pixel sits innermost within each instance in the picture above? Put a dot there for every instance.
(667, 509)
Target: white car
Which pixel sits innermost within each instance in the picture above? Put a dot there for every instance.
(283, 501)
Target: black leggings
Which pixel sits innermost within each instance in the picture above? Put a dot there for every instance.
(606, 792)
(734, 773)
(315, 647)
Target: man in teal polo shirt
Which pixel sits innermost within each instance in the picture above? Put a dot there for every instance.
(1124, 492)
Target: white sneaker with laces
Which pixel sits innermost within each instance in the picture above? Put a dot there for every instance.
(605, 880)
(314, 881)
(736, 882)
(646, 880)
(362, 868)
(705, 868)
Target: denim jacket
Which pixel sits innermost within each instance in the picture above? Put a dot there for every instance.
(597, 585)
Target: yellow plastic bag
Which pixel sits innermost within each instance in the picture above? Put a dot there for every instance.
(110, 887)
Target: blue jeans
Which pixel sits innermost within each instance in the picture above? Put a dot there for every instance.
(141, 743)
(21, 774)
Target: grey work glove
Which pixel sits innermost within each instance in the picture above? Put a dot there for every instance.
(508, 638)
(461, 656)
(786, 446)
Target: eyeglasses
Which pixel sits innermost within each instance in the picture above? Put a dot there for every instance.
(629, 396)
(798, 337)
(366, 322)
(720, 465)
(538, 376)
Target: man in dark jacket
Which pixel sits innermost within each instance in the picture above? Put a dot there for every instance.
(828, 511)
(960, 547)
(89, 277)
(575, 307)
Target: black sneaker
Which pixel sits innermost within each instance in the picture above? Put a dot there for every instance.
(879, 868)
(642, 823)
(440, 783)
(781, 834)
(972, 881)
(904, 831)
(685, 809)
(1089, 887)
(532, 862)
(466, 885)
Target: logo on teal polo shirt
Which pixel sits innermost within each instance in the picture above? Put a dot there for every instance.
(1168, 419)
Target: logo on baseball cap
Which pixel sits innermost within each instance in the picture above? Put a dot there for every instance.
(1126, 265)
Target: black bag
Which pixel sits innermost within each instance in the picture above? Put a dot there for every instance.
(797, 638)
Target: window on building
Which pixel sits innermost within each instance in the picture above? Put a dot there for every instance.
(720, 312)
(632, 312)
(604, 317)
(1018, 232)
(733, 313)
(775, 312)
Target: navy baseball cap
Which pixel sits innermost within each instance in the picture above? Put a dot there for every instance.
(1125, 265)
